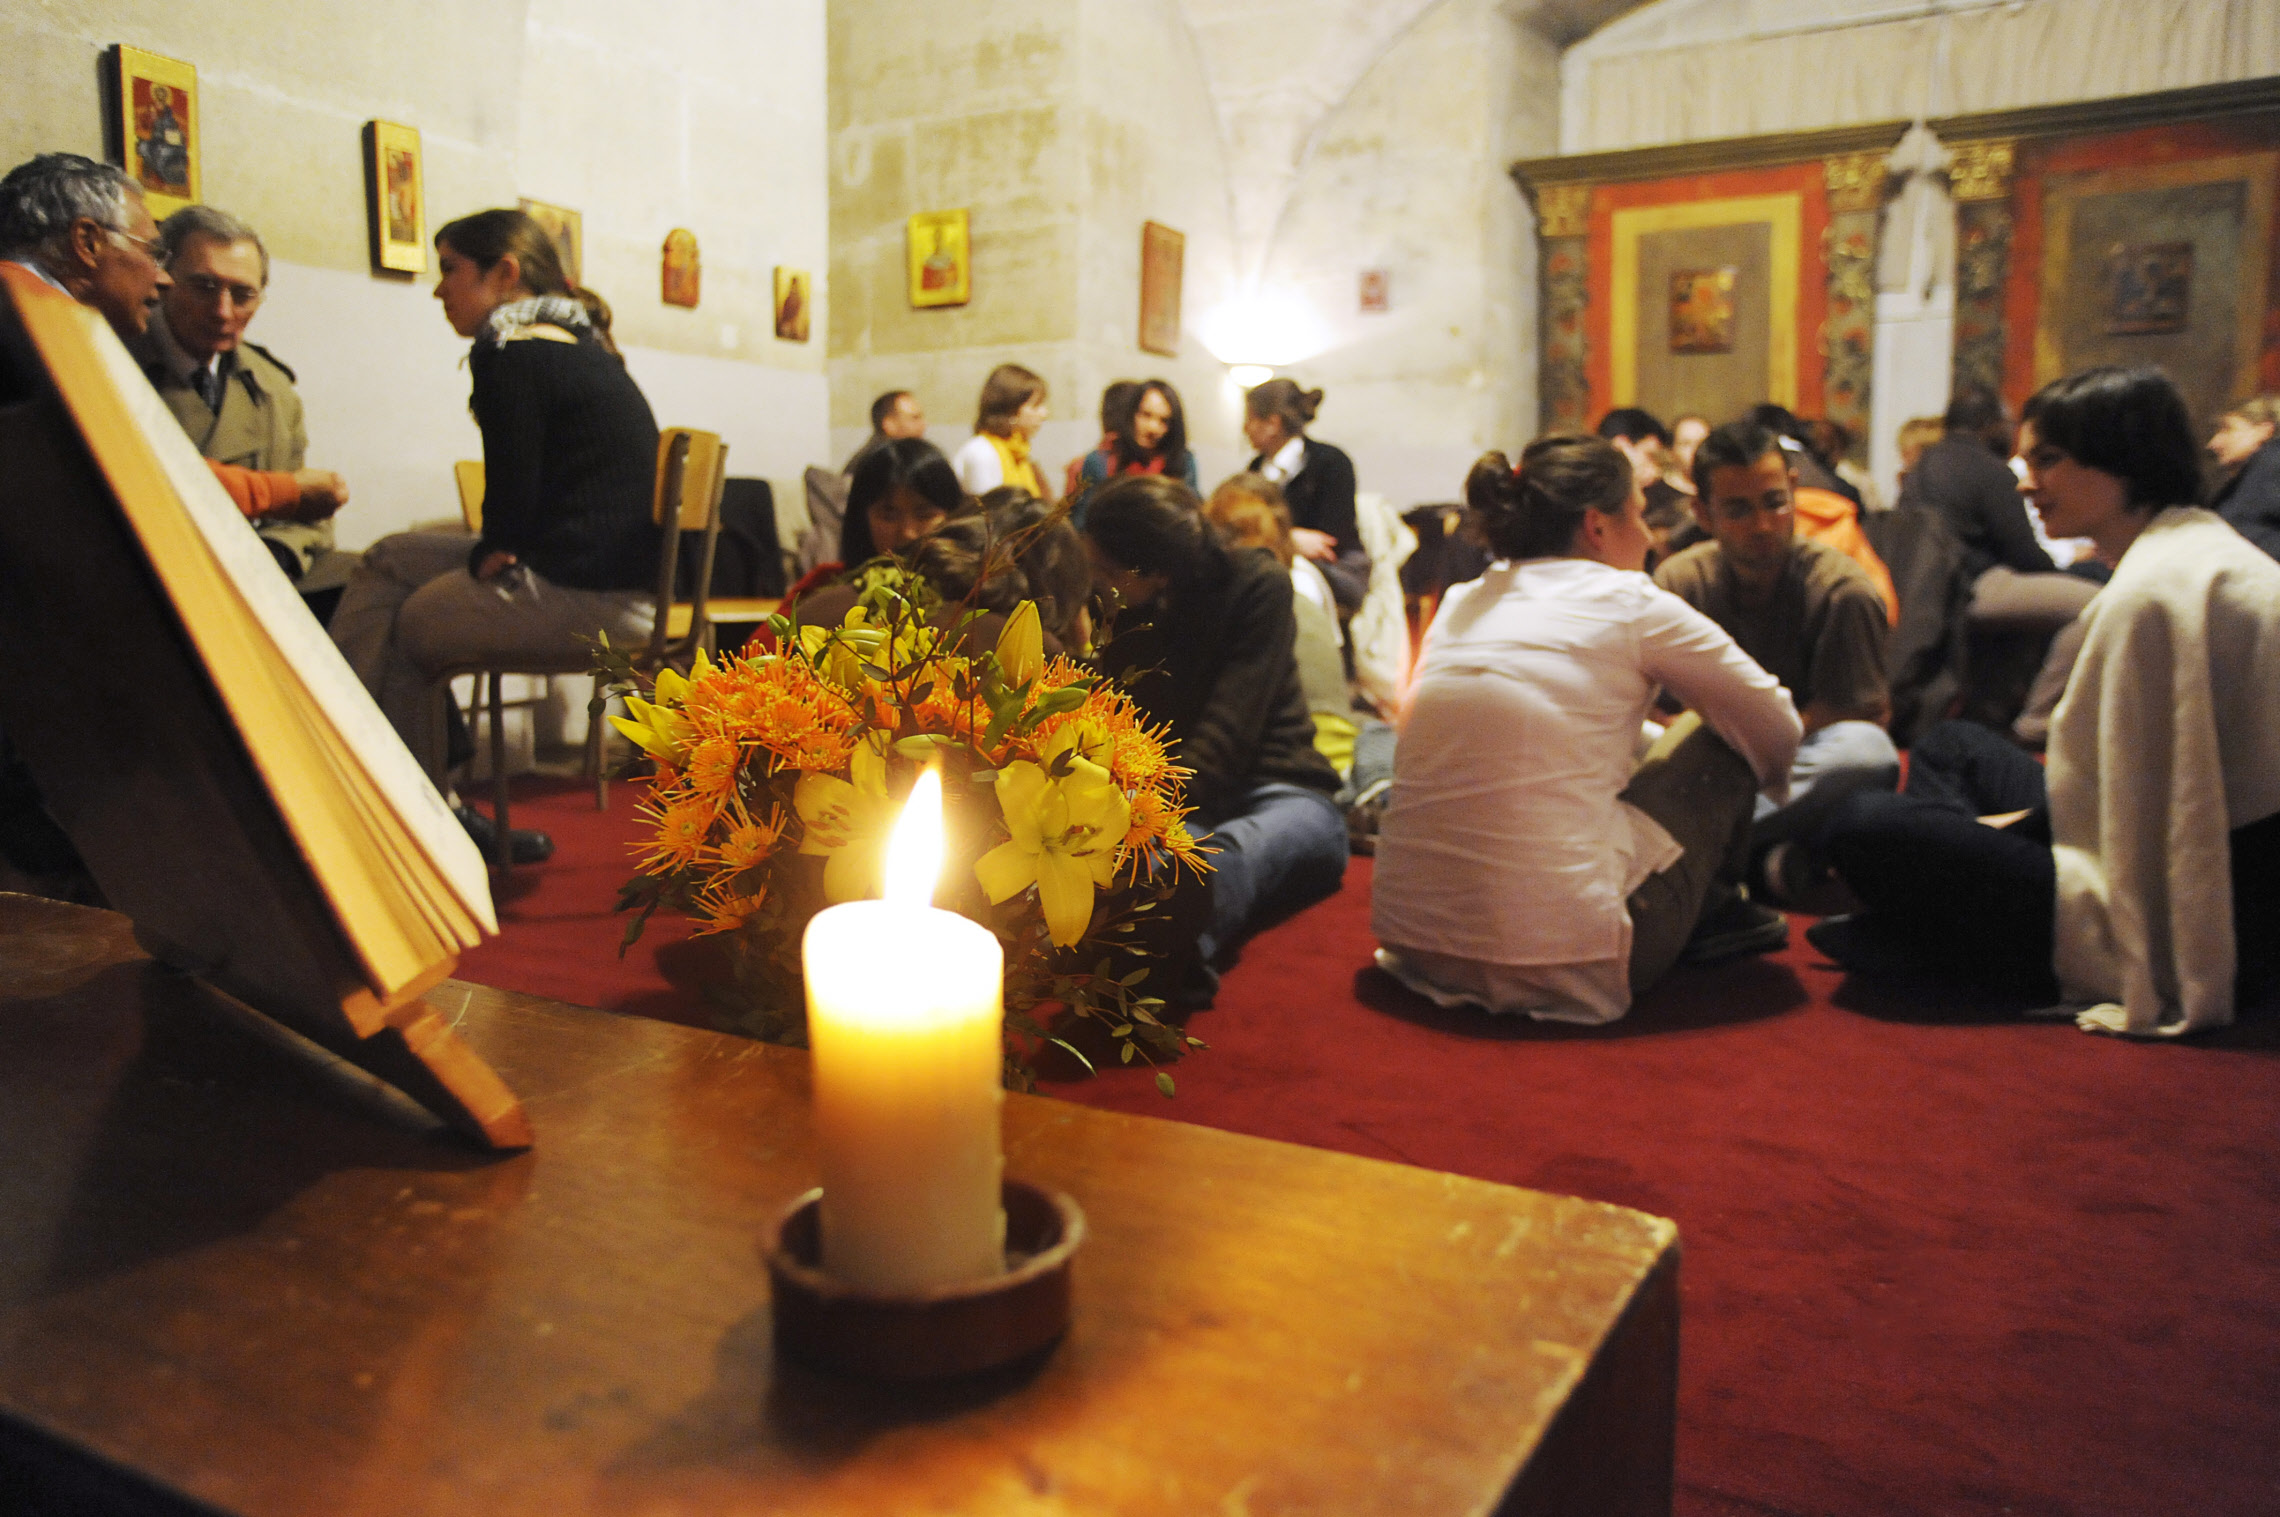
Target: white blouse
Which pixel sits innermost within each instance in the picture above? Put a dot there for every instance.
(1504, 842)
(977, 466)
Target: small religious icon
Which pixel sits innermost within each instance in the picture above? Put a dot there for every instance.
(1702, 310)
(941, 271)
(792, 305)
(682, 270)
(1377, 292)
(158, 127)
(1163, 260)
(392, 172)
(2149, 287)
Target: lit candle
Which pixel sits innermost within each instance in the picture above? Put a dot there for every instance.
(905, 1021)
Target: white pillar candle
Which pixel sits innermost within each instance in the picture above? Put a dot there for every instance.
(905, 1022)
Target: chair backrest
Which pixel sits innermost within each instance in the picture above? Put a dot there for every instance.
(692, 469)
(468, 473)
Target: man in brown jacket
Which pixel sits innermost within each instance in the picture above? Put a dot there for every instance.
(232, 396)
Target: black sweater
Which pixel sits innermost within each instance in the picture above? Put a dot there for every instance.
(569, 463)
(1321, 497)
(1216, 663)
(1961, 478)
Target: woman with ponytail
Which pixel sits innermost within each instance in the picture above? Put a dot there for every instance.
(568, 545)
(1530, 860)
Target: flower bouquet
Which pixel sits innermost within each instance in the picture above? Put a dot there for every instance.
(779, 773)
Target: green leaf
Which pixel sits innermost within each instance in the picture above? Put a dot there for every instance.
(1078, 1054)
(1125, 1052)
(1164, 1082)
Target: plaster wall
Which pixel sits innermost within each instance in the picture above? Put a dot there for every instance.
(1408, 175)
(569, 101)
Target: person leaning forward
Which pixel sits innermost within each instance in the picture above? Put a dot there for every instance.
(234, 398)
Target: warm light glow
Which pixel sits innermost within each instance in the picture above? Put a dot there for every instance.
(1271, 328)
(1250, 375)
(914, 849)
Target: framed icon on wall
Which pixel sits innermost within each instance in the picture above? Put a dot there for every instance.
(941, 259)
(396, 197)
(159, 135)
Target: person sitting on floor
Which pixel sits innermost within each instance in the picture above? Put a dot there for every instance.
(1014, 406)
(1317, 480)
(1801, 609)
(899, 492)
(1530, 861)
(2139, 881)
(2246, 449)
(569, 542)
(1211, 632)
(1143, 431)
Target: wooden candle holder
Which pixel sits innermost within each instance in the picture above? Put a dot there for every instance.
(933, 1334)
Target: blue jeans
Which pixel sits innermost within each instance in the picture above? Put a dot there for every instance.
(1280, 848)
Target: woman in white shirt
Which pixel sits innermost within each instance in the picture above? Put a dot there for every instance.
(1013, 407)
(1530, 861)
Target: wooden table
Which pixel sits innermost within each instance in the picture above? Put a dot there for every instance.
(221, 1283)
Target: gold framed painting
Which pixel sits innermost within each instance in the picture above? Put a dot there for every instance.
(159, 136)
(941, 259)
(396, 198)
(1702, 310)
(681, 278)
(1163, 252)
(567, 230)
(792, 304)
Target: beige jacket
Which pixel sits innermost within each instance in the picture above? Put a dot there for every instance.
(259, 426)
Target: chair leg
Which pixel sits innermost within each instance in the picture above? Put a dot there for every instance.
(503, 848)
(597, 757)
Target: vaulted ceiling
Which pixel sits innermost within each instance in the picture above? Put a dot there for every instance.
(1279, 69)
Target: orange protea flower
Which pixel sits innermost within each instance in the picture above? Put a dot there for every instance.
(713, 765)
(1158, 832)
(723, 908)
(683, 824)
(747, 842)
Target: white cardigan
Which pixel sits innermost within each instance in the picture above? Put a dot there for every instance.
(2168, 738)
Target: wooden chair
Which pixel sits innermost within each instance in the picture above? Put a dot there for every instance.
(691, 469)
(468, 475)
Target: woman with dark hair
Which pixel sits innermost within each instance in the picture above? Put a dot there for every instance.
(2137, 880)
(1529, 860)
(2248, 452)
(1144, 432)
(900, 491)
(1211, 630)
(1013, 407)
(568, 546)
(1317, 480)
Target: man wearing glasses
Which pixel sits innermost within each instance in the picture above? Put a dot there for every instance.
(82, 227)
(232, 396)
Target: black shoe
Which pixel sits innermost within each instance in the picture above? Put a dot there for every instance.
(1786, 875)
(1855, 945)
(1738, 928)
(525, 845)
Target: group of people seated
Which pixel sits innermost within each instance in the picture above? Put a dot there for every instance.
(1662, 711)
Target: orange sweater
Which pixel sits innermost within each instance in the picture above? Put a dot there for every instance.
(1824, 516)
(258, 492)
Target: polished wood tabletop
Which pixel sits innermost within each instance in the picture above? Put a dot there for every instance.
(231, 1280)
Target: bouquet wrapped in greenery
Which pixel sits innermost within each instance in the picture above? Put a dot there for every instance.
(779, 773)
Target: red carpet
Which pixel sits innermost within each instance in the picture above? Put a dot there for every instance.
(1937, 1260)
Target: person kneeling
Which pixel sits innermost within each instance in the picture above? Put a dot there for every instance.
(1211, 630)
(1530, 861)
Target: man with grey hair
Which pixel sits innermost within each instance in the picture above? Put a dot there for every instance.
(233, 397)
(82, 228)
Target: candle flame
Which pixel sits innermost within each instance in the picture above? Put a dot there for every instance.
(914, 850)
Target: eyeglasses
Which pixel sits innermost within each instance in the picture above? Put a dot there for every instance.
(207, 288)
(149, 245)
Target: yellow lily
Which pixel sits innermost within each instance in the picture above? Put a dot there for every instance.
(1086, 737)
(1066, 833)
(847, 824)
(658, 730)
(1021, 646)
